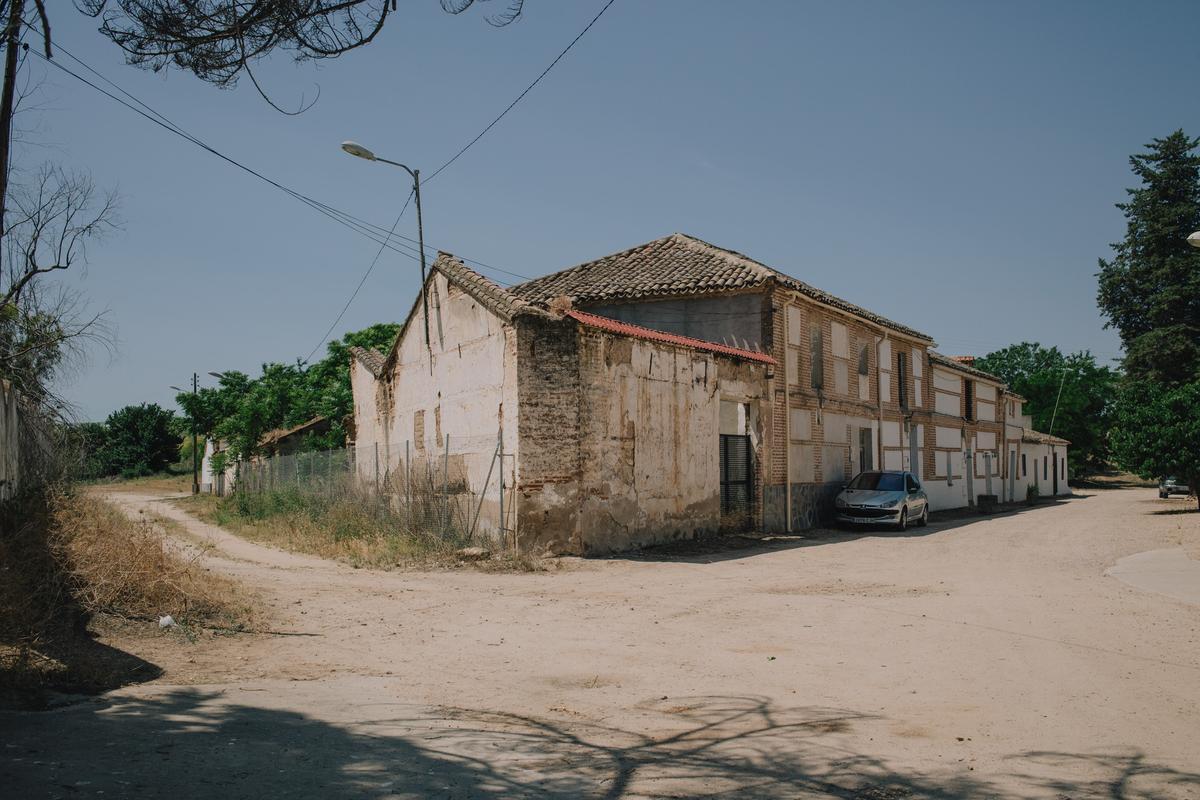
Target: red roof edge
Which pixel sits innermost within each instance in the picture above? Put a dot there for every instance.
(639, 332)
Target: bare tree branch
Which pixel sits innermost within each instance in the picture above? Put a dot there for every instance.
(44, 327)
(216, 40)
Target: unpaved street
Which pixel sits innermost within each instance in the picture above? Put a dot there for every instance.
(974, 658)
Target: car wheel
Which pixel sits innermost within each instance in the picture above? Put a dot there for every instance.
(902, 525)
(924, 516)
(1162, 495)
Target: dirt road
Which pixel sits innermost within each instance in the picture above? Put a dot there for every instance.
(977, 658)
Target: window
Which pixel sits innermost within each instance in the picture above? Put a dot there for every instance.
(818, 362)
(902, 379)
(969, 397)
(1024, 471)
(864, 366)
(878, 482)
(913, 486)
(1045, 468)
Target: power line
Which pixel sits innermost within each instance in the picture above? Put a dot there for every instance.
(521, 96)
(375, 233)
(361, 281)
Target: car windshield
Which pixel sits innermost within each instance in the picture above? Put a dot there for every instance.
(879, 481)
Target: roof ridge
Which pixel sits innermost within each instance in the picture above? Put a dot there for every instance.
(591, 262)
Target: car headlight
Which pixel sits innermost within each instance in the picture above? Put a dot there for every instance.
(890, 503)
(839, 502)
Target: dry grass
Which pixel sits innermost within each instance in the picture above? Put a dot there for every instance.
(130, 569)
(344, 530)
(158, 484)
(69, 560)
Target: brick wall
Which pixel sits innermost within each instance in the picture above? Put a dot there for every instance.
(548, 390)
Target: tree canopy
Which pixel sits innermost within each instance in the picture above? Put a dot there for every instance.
(1084, 408)
(217, 40)
(134, 440)
(1150, 290)
(1157, 431)
(240, 409)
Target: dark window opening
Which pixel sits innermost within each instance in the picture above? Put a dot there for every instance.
(864, 361)
(969, 396)
(902, 379)
(818, 361)
(1024, 471)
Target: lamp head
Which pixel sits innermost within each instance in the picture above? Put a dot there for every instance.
(1194, 239)
(356, 149)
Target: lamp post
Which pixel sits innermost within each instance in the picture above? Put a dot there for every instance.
(356, 149)
(195, 462)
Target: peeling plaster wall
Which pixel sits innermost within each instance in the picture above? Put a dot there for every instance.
(733, 319)
(548, 470)
(463, 385)
(649, 422)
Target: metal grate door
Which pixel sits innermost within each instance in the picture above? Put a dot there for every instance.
(737, 484)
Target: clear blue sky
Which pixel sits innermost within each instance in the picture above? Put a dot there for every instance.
(950, 165)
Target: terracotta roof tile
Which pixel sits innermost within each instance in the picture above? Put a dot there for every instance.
(675, 265)
(637, 331)
(371, 358)
(956, 363)
(492, 295)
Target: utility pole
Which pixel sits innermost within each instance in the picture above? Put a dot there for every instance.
(12, 41)
(195, 461)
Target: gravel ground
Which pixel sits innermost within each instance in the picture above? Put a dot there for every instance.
(984, 657)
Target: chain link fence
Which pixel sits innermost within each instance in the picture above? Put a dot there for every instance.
(455, 491)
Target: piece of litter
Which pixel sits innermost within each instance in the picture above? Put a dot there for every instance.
(166, 622)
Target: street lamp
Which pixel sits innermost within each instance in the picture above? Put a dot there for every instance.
(1194, 239)
(195, 463)
(356, 149)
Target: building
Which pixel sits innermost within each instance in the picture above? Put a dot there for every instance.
(670, 390)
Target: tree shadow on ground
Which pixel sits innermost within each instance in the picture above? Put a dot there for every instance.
(731, 546)
(193, 743)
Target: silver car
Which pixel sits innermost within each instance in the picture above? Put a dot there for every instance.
(891, 498)
(1172, 485)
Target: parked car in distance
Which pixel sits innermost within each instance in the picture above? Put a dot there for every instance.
(883, 497)
(1170, 486)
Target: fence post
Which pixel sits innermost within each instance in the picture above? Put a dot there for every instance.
(500, 450)
(446, 486)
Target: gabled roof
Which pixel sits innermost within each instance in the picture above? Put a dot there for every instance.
(1036, 437)
(487, 293)
(638, 332)
(279, 434)
(678, 265)
(490, 295)
(370, 358)
(955, 363)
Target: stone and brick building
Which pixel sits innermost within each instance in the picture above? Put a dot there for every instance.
(677, 389)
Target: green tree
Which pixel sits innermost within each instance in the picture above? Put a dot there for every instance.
(240, 409)
(1157, 431)
(139, 440)
(1150, 290)
(1084, 410)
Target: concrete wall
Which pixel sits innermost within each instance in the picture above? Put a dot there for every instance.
(649, 424)
(734, 319)
(463, 385)
(10, 442)
(548, 471)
